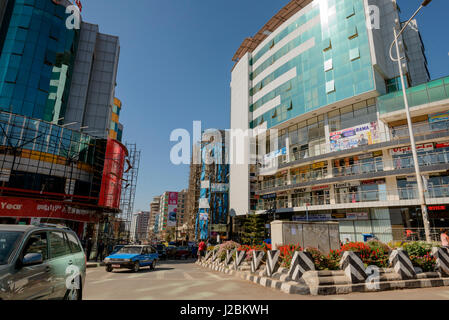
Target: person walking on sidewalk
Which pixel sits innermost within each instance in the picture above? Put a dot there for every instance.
(88, 248)
(100, 251)
(201, 249)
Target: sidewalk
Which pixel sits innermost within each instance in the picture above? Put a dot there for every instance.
(94, 264)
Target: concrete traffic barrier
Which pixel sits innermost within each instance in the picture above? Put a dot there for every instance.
(272, 262)
(353, 266)
(442, 257)
(257, 260)
(301, 263)
(239, 256)
(402, 264)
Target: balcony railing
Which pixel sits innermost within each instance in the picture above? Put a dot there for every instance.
(423, 160)
(433, 192)
(436, 90)
(359, 168)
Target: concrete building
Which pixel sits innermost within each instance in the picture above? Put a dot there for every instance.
(320, 74)
(155, 207)
(56, 94)
(172, 214)
(139, 226)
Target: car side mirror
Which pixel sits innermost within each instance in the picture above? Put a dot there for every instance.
(32, 259)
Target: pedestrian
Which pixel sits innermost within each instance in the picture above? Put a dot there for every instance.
(444, 239)
(88, 248)
(201, 249)
(110, 247)
(100, 251)
(194, 251)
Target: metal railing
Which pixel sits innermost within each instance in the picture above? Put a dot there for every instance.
(417, 234)
(433, 192)
(359, 168)
(420, 129)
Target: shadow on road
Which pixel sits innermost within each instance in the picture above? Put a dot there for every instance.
(143, 270)
(177, 261)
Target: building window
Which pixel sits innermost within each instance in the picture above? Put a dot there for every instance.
(354, 54)
(330, 86)
(328, 65)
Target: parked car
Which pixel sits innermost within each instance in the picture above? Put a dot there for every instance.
(41, 262)
(183, 253)
(161, 251)
(132, 257)
(171, 252)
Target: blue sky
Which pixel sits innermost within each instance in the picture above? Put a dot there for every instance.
(175, 65)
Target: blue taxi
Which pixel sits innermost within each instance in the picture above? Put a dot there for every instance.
(132, 257)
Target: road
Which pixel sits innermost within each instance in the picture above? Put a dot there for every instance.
(184, 280)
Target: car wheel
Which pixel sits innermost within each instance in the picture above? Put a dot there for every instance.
(109, 268)
(136, 266)
(74, 294)
(153, 265)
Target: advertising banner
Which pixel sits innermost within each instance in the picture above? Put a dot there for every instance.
(275, 154)
(362, 135)
(34, 208)
(219, 187)
(441, 116)
(172, 209)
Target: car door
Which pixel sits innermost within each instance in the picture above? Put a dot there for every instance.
(153, 254)
(145, 257)
(60, 259)
(32, 282)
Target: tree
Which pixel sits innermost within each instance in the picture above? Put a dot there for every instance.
(253, 230)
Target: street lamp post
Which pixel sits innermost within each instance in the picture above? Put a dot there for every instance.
(419, 181)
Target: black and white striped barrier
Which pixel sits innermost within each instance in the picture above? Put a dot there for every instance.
(229, 254)
(442, 257)
(353, 266)
(272, 262)
(257, 260)
(215, 255)
(239, 256)
(208, 255)
(402, 265)
(301, 263)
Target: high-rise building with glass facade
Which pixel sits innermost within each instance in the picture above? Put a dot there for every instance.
(319, 72)
(57, 88)
(54, 73)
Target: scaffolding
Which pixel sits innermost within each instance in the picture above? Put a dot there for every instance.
(193, 195)
(129, 186)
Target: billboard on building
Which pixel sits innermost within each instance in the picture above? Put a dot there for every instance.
(354, 137)
(111, 183)
(172, 209)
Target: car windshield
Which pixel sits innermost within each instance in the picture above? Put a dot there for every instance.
(8, 240)
(135, 250)
(183, 248)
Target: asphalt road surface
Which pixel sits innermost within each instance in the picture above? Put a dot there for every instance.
(184, 280)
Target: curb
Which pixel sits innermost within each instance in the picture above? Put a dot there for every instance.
(426, 280)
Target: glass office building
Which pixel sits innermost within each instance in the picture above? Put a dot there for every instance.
(37, 59)
(319, 73)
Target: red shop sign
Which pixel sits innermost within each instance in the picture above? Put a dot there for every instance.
(442, 145)
(34, 208)
(436, 208)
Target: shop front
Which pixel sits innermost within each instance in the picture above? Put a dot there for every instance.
(33, 211)
(361, 191)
